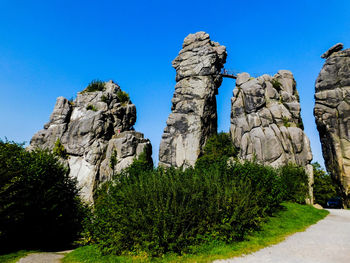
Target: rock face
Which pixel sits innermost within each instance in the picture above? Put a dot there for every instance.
(193, 118)
(332, 114)
(266, 125)
(92, 128)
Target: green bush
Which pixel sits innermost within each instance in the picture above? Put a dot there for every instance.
(159, 211)
(59, 149)
(95, 85)
(39, 203)
(294, 182)
(91, 107)
(324, 187)
(218, 148)
(123, 97)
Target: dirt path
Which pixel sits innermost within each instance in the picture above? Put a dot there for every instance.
(328, 241)
(45, 257)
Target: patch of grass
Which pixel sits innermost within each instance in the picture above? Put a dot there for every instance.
(123, 97)
(293, 218)
(91, 107)
(15, 256)
(95, 85)
(104, 99)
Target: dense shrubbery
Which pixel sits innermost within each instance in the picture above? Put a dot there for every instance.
(158, 211)
(95, 85)
(294, 183)
(324, 187)
(123, 97)
(39, 206)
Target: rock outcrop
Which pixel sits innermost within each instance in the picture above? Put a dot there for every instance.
(266, 125)
(193, 118)
(332, 114)
(94, 128)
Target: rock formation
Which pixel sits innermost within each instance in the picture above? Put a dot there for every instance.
(94, 128)
(332, 114)
(193, 118)
(266, 125)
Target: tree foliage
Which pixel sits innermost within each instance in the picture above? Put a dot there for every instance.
(39, 203)
(324, 187)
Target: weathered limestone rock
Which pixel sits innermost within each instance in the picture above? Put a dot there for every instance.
(266, 125)
(332, 114)
(91, 128)
(193, 118)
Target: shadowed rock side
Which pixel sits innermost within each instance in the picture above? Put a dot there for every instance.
(266, 125)
(193, 118)
(332, 114)
(92, 128)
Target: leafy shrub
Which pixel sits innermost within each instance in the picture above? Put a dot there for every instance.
(104, 98)
(294, 182)
(324, 187)
(95, 85)
(157, 210)
(39, 203)
(218, 148)
(91, 107)
(59, 149)
(123, 97)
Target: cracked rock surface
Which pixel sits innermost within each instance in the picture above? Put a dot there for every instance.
(92, 128)
(266, 125)
(332, 115)
(193, 118)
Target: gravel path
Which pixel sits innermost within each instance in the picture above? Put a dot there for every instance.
(328, 241)
(45, 257)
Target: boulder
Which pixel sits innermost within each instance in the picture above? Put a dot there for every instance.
(91, 128)
(332, 115)
(193, 118)
(266, 125)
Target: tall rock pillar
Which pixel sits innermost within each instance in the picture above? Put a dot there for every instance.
(266, 125)
(332, 114)
(193, 118)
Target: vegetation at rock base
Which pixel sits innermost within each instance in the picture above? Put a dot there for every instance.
(324, 187)
(218, 148)
(290, 219)
(95, 85)
(39, 203)
(153, 212)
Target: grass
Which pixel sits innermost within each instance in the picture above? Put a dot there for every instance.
(293, 218)
(15, 256)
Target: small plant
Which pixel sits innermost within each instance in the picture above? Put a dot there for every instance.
(59, 149)
(123, 97)
(113, 160)
(276, 84)
(286, 122)
(91, 107)
(95, 85)
(104, 98)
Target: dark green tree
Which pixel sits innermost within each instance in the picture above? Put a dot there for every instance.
(39, 203)
(324, 187)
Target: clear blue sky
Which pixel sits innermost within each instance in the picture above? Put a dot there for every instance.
(55, 48)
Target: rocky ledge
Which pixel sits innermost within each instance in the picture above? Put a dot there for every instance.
(266, 125)
(91, 131)
(332, 115)
(193, 118)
